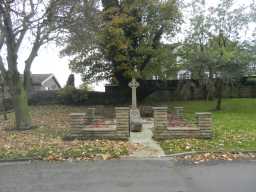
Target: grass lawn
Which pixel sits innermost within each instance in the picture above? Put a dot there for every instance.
(45, 141)
(234, 127)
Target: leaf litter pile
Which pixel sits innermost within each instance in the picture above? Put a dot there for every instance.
(45, 141)
(227, 156)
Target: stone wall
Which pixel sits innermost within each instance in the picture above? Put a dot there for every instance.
(160, 122)
(153, 91)
(203, 129)
(122, 121)
(150, 92)
(78, 122)
(204, 123)
(179, 112)
(93, 98)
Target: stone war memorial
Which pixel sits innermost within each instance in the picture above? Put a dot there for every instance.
(135, 117)
(116, 123)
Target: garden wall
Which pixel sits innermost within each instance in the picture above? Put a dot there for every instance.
(119, 130)
(161, 131)
(93, 98)
(149, 90)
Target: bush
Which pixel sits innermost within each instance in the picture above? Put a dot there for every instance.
(70, 95)
(45, 97)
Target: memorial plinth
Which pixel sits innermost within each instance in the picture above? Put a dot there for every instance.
(135, 118)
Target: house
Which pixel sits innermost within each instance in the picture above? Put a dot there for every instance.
(183, 74)
(44, 82)
(39, 82)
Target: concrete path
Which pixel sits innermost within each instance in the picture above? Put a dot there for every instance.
(127, 176)
(150, 147)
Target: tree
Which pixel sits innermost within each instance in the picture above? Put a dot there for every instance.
(128, 35)
(213, 50)
(194, 48)
(71, 80)
(18, 20)
(2, 96)
(253, 11)
(253, 20)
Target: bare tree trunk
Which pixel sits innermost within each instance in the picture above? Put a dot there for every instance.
(219, 94)
(19, 95)
(3, 103)
(27, 81)
(20, 102)
(14, 25)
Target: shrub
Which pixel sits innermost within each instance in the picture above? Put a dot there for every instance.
(70, 95)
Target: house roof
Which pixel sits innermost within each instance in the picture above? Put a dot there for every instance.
(38, 79)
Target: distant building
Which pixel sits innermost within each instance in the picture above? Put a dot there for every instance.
(44, 82)
(39, 82)
(183, 74)
(251, 69)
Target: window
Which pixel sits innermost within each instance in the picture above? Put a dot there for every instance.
(184, 74)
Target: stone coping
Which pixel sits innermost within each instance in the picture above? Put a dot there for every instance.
(183, 129)
(74, 114)
(203, 113)
(98, 129)
(122, 107)
(160, 108)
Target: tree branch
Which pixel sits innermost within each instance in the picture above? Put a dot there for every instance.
(35, 48)
(10, 38)
(2, 37)
(25, 23)
(155, 44)
(2, 68)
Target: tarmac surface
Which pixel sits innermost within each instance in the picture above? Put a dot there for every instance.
(128, 175)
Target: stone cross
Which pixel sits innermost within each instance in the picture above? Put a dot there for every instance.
(134, 85)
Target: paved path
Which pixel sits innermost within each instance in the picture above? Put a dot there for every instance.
(151, 148)
(127, 176)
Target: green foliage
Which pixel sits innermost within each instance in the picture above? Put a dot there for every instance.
(71, 95)
(213, 50)
(234, 127)
(214, 44)
(184, 88)
(110, 43)
(86, 86)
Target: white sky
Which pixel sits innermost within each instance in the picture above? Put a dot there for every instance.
(48, 60)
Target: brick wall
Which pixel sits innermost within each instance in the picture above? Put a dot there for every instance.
(162, 131)
(78, 122)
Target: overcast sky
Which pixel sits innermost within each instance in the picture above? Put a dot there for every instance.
(48, 60)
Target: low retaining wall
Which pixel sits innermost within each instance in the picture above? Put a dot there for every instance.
(79, 130)
(203, 129)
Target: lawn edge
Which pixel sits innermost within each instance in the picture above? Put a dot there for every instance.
(202, 152)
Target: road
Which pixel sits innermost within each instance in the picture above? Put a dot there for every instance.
(128, 175)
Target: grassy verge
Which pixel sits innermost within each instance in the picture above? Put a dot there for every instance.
(234, 127)
(78, 150)
(45, 141)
